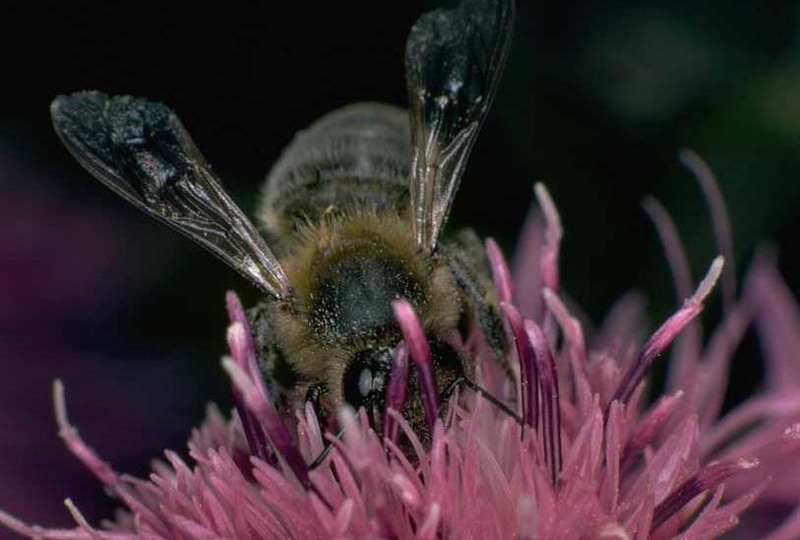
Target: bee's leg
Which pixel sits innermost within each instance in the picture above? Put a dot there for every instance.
(467, 262)
(279, 376)
(325, 452)
(482, 392)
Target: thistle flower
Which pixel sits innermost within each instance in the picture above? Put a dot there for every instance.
(568, 447)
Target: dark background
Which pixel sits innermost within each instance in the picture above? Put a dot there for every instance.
(596, 101)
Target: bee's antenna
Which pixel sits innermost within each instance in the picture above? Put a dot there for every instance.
(396, 390)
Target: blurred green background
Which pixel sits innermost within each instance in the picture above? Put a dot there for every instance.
(596, 101)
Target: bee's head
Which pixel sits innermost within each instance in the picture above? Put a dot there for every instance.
(365, 380)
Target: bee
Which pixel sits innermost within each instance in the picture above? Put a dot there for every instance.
(352, 215)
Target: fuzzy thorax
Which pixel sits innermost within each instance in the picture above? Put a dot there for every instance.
(346, 271)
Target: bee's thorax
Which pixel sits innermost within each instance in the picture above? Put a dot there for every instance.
(346, 272)
(353, 290)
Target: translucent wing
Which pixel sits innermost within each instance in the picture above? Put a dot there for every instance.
(141, 151)
(454, 59)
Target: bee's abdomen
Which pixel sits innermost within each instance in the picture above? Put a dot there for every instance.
(355, 156)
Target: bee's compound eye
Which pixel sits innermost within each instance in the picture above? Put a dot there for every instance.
(365, 379)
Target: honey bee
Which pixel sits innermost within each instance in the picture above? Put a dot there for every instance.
(352, 214)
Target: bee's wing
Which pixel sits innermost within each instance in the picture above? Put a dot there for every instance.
(141, 151)
(454, 59)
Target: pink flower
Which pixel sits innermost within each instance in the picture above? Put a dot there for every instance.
(581, 454)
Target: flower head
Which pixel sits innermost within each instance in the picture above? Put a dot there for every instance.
(567, 445)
